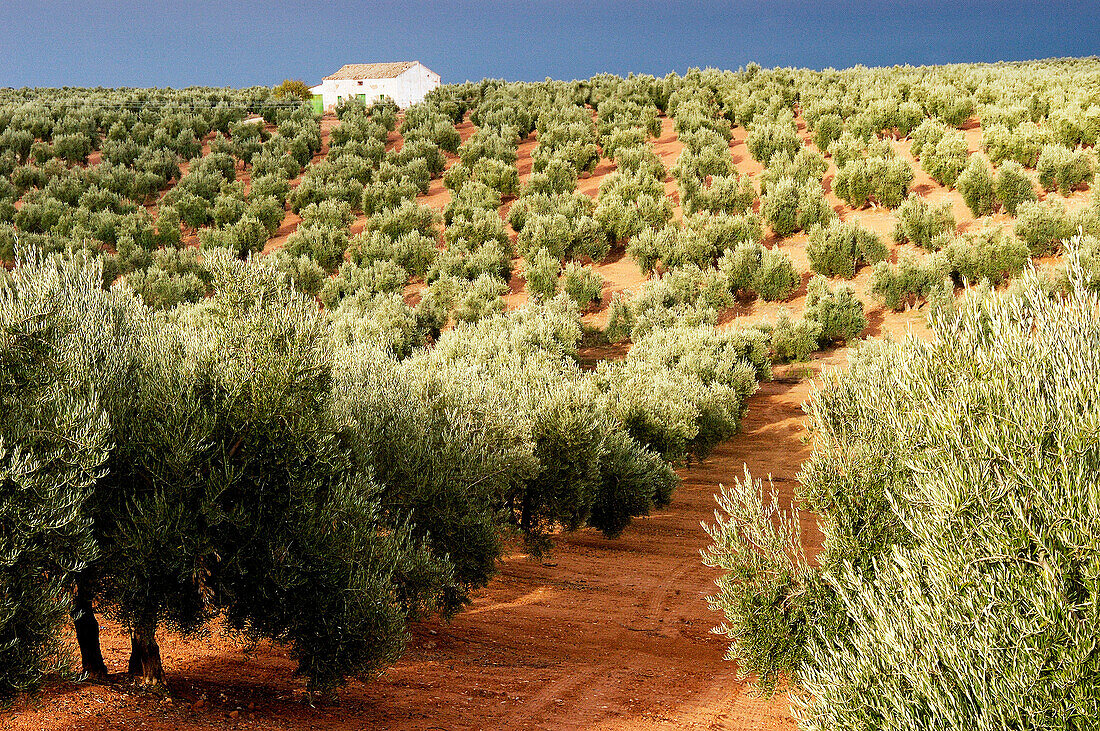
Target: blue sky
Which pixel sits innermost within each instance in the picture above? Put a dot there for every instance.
(242, 42)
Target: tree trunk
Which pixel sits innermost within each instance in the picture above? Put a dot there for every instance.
(87, 633)
(525, 518)
(145, 656)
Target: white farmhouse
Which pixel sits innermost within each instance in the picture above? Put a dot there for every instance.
(405, 83)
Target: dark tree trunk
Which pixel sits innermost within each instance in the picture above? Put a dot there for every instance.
(526, 521)
(87, 632)
(145, 656)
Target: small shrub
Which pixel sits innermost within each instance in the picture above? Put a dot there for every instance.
(807, 164)
(378, 277)
(989, 255)
(625, 217)
(622, 139)
(1063, 169)
(827, 128)
(272, 186)
(583, 284)
(976, 186)
(781, 206)
(813, 209)
(1043, 226)
(847, 147)
(641, 160)
(725, 194)
(553, 232)
(740, 265)
(469, 259)
(1021, 143)
(837, 249)
(794, 340)
(909, 281)
(704, 236)
(1012, 186)
(922, 223)
(776, 279)
(413, 251)
(620, 319)
(381, 195)
(420, 151)
(885, 179)
(766, 139)
(456, 176)
(893, 176)
(248, 235)
(304, 274)
(651, 245)
(853, 183)
(541, 273)
(498, 175)
(175, 277)
(475, 228)
(926, 136)
(268, 211)
(406, 218)
(487, 143)
(332, 214)
(324, 245)
(482, 298)
(838, 312)
(790, 207)
(476, 198)
(169, 234)
(558, 177)
(947, 160)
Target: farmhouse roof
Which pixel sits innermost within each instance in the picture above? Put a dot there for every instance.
(371, 70)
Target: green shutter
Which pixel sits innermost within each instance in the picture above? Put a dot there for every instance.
(318, 104)
(363, 98)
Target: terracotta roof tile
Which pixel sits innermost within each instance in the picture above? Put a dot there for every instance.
(372, 70)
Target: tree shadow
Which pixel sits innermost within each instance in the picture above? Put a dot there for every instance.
(875, 318)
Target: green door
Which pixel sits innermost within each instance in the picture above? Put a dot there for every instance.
(318, 104)
(363, 98)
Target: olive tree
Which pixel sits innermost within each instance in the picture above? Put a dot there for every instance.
(54, 441)
(915, 609)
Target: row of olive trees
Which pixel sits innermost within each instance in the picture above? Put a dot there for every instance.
(240, 457)
(954, 481)
(101, 207)
(187, 465)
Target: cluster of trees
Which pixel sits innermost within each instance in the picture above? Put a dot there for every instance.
(706, 177)
(917, 611)
(831, 316)
(466, 264)
(698, 294)
(149, 142)
(194, 467)
(241, 456)
(714, 254)
(992, 253)
(884, 180)
(314, 475)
